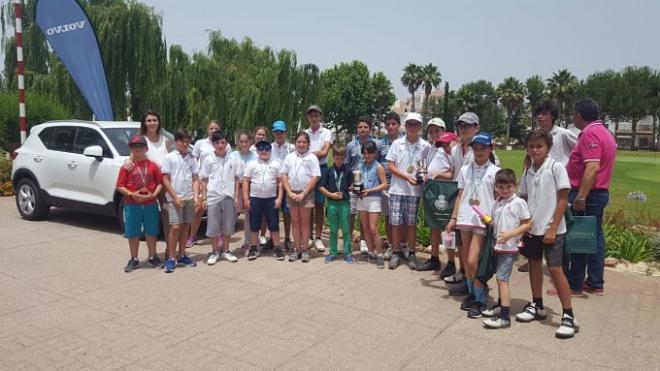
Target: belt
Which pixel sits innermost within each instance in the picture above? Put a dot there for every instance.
(593, 190)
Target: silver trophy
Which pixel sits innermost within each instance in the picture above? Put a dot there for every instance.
(358, 182)
(422, 171)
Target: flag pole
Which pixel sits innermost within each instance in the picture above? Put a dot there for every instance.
(20, 68)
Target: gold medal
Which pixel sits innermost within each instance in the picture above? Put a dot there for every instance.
(410, 169)
(474, 202)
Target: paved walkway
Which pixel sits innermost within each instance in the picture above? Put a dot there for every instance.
(65, 303)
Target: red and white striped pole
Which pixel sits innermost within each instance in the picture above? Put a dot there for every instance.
(20, 67)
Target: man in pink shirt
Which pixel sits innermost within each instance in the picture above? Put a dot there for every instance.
(590, 171)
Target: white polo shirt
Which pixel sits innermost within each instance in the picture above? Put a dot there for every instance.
(281, 151)
(477, 183)
(540, 186)
(437, 161)
(458, 159)
(243, 160)
(406, 155)
(300, 169)
(563, 141)
(181, 169)
(222, 173)
(317, 139)
(507, 215)
(263, 177)
(204, 147)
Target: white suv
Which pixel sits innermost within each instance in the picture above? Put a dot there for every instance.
(72, 164)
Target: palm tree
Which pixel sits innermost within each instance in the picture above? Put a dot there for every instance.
(512, 94)
(412, 79)
(562, 86)
(430, 79)
(535, 93)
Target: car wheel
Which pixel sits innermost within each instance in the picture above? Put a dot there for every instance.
(29, 201)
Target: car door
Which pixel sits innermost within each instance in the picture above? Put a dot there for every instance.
(92, 179)
(54, 164)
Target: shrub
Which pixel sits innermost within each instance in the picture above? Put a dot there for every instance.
(39, 109)
(628, 244)
(6, 188)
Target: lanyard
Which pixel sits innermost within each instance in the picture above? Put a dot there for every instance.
(549, 162)
(297, 167)
(411, 155)
(367, 173)
(476, 182)
(143, 176)
(338, 179)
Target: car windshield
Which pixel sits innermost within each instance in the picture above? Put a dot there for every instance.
(121, 136)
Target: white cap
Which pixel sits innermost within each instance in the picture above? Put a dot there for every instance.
(436, 121)
(413, 116)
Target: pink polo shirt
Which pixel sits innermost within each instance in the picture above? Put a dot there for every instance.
(595, 143)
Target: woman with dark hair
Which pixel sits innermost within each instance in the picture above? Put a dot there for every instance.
(152, 128)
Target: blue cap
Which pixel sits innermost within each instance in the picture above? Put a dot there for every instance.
(279, 125)
(483, 139)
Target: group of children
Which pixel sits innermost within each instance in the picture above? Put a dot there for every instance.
(368, 178)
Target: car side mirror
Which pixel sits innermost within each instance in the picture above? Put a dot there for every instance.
(94, 151)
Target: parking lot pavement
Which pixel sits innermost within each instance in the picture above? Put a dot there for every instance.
(65, 303)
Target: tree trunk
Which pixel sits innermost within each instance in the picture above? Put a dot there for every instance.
(412, 107)
(508, 129)
(654, 144)
(633, 145)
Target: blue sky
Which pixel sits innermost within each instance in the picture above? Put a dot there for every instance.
(467, 40)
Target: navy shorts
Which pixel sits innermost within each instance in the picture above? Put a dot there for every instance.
(260, 208)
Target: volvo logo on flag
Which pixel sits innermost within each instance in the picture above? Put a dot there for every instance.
(65, 28)
(78, 51)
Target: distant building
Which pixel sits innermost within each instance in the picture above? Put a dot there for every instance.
(623, 135)
(402, 106)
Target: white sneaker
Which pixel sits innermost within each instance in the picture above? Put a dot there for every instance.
(497, 323)
(363, 246)
(262, 240)
(493, 311)
(531, 313)
(213, 258)
(318, 245)
(229, 256)
(567, 328)
(388, 253)
(456, 278)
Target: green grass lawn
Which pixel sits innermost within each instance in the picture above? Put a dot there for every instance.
(634, 171)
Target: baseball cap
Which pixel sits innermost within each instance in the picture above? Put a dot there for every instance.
(279, 125)
(469, 118)
(447, 137)
(314, 108)
(483, 139)
(436, 121)
(263, 146)
(137, 140)
(413, 116)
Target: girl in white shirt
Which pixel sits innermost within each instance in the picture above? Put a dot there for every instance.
(476, 187)
(244, 156)
(300, 173)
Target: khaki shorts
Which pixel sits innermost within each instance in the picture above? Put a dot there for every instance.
(307, 202)
(181, 215)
